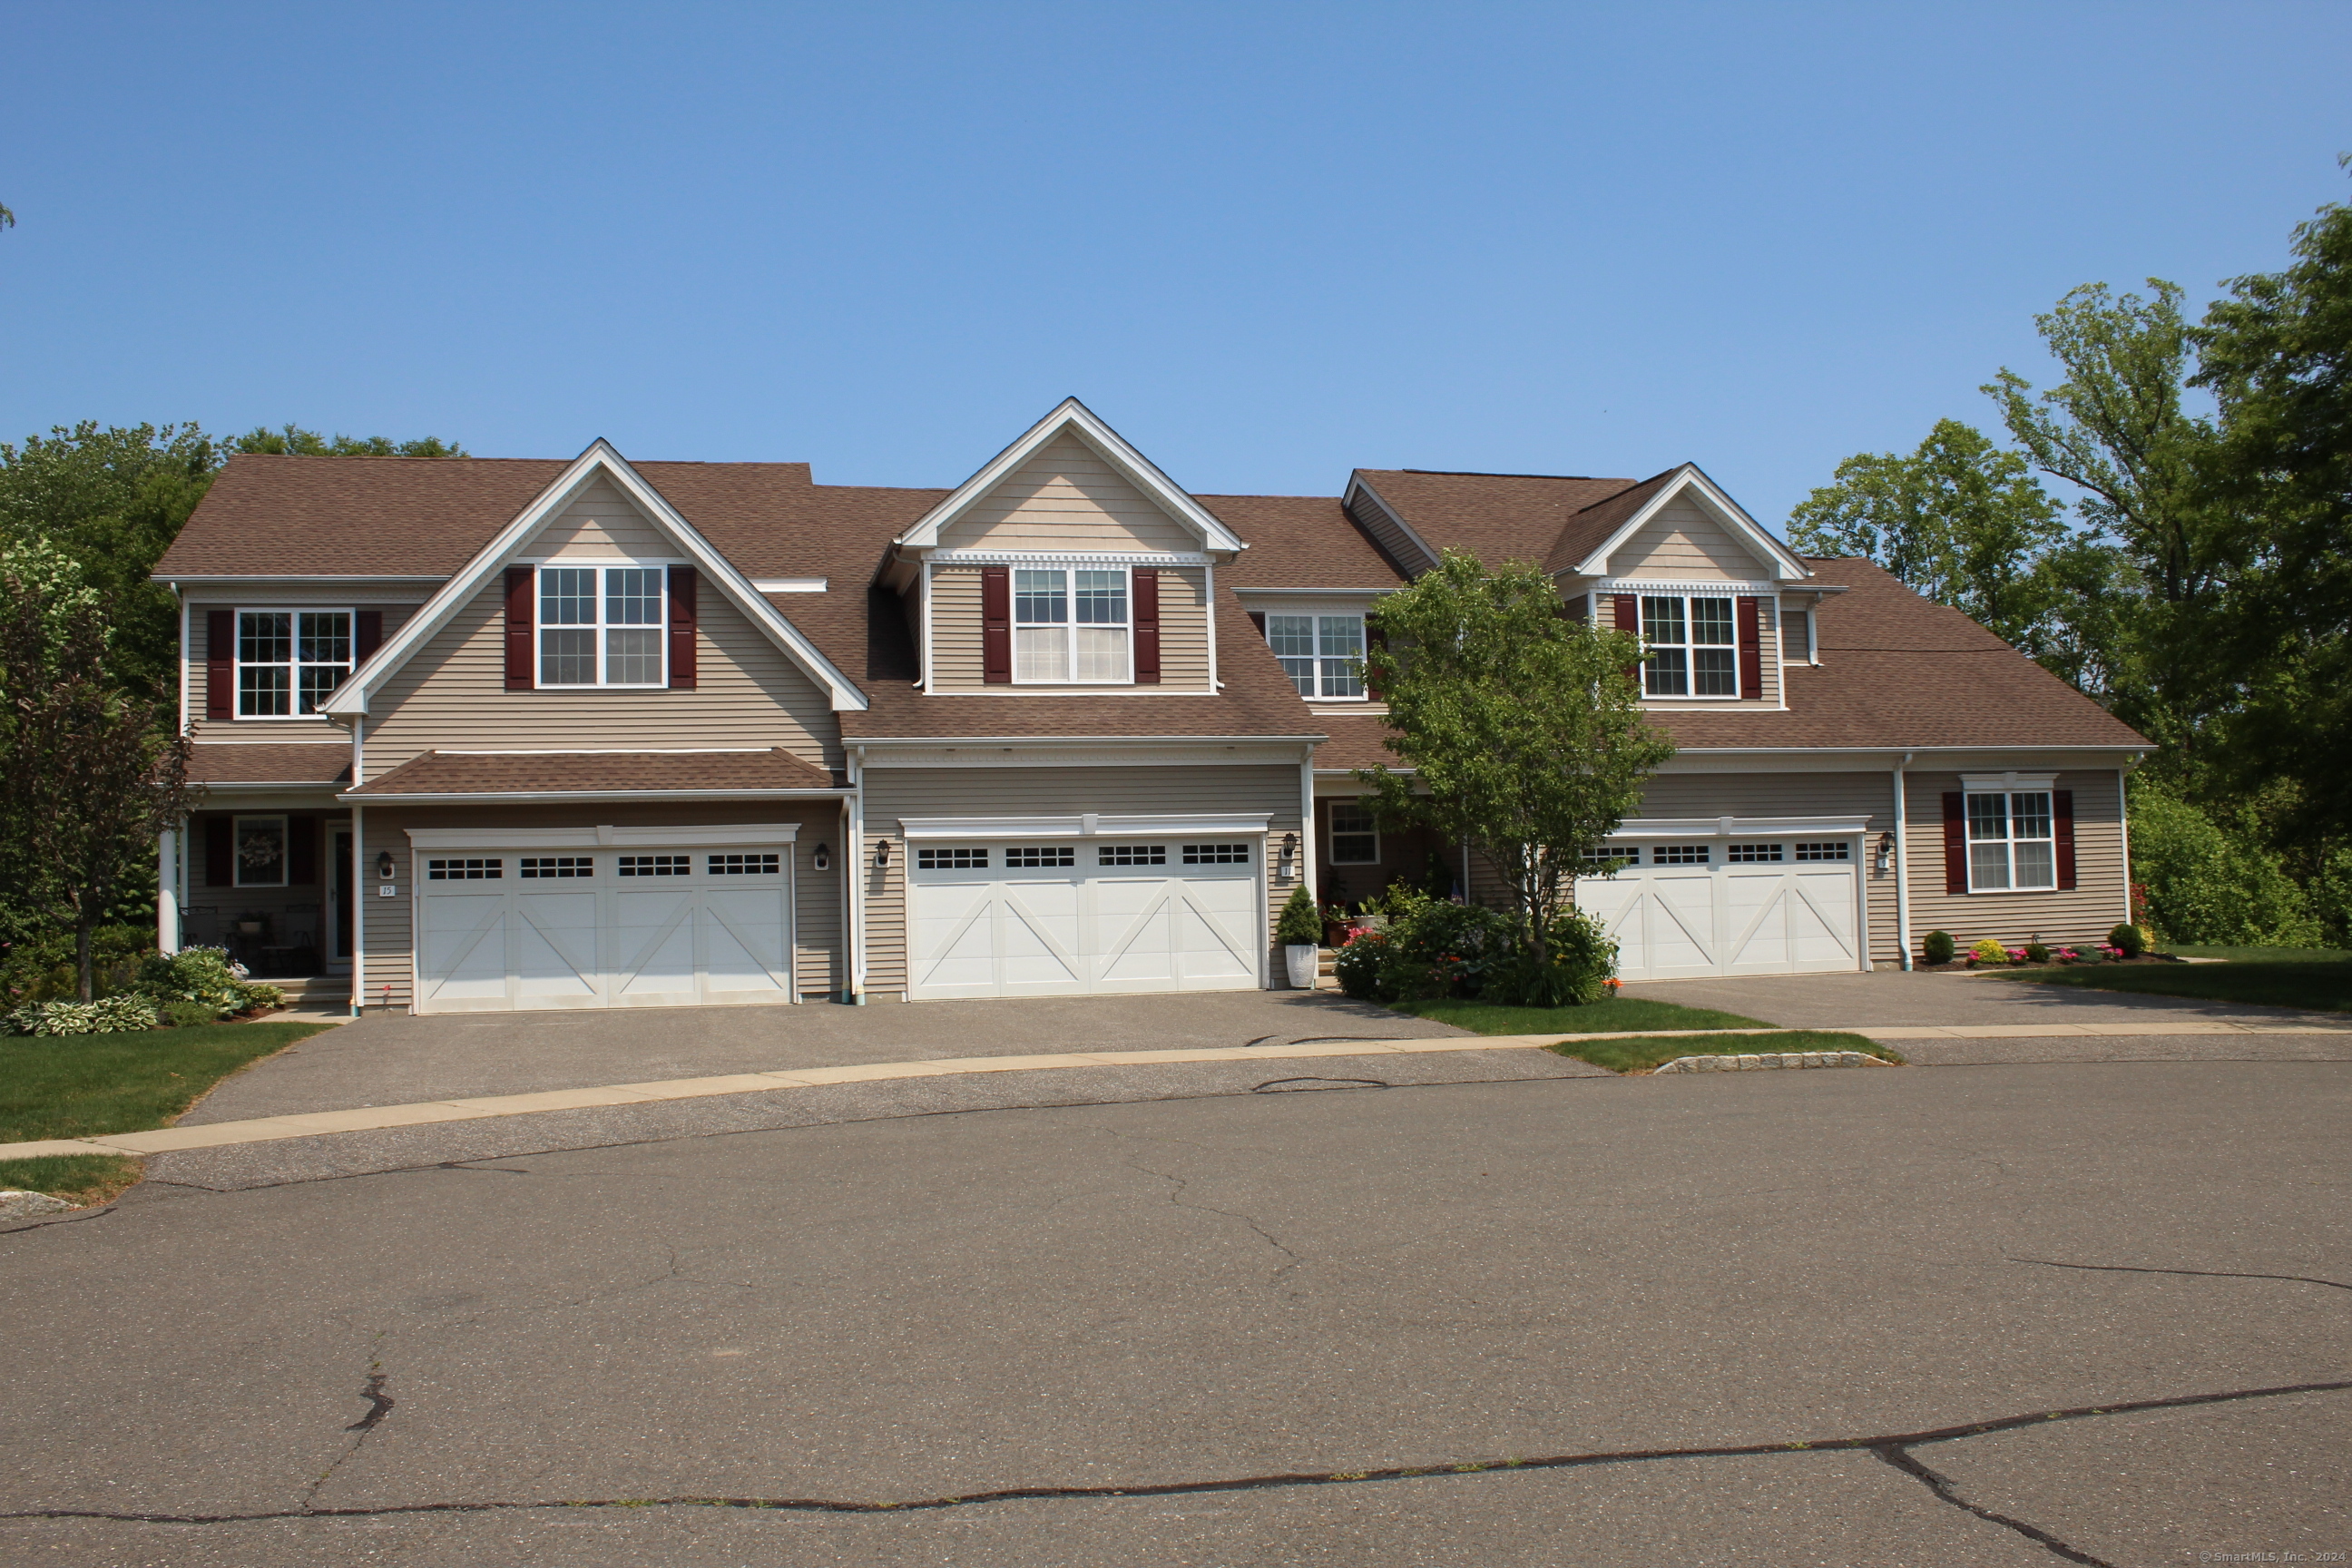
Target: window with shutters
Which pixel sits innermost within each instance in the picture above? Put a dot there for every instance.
(2012, 841)
(1323, 655)
(1692, 646)
(603, 626)
(289, 660)
(1072, 623)
(260, 846)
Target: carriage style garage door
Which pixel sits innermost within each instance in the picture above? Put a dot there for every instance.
(1060, 917)
(1733, 903)
(573, 922)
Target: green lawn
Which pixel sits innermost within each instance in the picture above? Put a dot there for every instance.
(1487, 1018)
(79, 1086)
(2319, 984)
(1640, 1055)
(2260, 954)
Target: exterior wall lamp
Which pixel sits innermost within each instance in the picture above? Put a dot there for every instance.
(1289, 853)
(823, 858)
(882, 853)
(1885, 856)
(384, 864)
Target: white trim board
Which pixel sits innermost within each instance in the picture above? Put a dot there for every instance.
(1087, 825)
(1076, 418)
(1689, 481)
(559, 796)
(602, 838)
(1739, 827)
(600, 460)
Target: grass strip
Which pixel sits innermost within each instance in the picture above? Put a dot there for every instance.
(2324, 987)
(85, 1086)
(1640, 1055)
(2260, 954)
(1601, 1017)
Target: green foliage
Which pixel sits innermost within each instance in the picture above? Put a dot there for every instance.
(1435, 948)
(79, 1179)
(1482, 1017)
(1357, 965)
(188, 1014)
(200, 974)
(1961, 520)
(2125, 939)
(1572, 971)
(1990, 950)
(2321, 987)
(1301, 921)
(110, 1016)
(2035, 952)
(123, 1083)
(41, 967)
(2214, 880)
(1522, 730)
(1641, 1055)
(1937, 948)
(293, 441)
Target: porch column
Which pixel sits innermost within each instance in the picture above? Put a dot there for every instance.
(167, 891)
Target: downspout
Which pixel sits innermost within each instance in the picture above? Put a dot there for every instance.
(1307, 825)
(351, 873)
(2123, 820)
(856, 994)
(1902, 866)
(169, 897)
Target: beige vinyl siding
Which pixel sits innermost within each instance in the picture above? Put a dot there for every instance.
(313, 728)
(1681, 541)
(452, 695)
(956, 654)
(820, 965)
(602, 523)
(2087, 913)
(894, 793)
(1066, 497)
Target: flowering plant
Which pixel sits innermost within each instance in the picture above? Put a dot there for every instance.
(2065, 955)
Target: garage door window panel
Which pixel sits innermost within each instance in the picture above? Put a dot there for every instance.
(1693, 646)
(2012, 846)
(603, 626)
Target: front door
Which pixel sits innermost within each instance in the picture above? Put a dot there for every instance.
(339, 903)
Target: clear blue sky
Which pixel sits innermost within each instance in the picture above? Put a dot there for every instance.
(1268, 242)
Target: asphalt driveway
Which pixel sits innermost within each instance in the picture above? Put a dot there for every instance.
(1897, 1317)
(1893, 996)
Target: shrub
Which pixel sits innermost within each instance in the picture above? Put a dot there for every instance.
(2211, 880)
(41, 968)
(2126, 940)
(196, 975)
(2036, 954)
(1437, 949)
(188, 1014)
(1357, 966)
(260, 995)
(1989, 951)
(1936, 947)
(112, 1015)
(1301, 921)
(1581, 960)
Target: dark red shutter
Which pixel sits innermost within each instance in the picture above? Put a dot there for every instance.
(1628, 614)
(1956, 842)
(996, 625)
(2061, 805)
(681, 628)
(220, 852)
(367, 635)
(1751, 648)
(1258, 619)
(1374, 638)
(220, 663)
(301, 851)
(519, 673)
(1147, 626)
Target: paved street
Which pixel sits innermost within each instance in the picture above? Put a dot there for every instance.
(1259, 1296)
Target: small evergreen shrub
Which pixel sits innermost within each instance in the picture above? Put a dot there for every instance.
(197, 974)
(1989, 951)
(1301, 921)
(1580, 961)
(2126, 940)
(1437, 949)
(1937, 948)
(110, 1016)
(2036, 954)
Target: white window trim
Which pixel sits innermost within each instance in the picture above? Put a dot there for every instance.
(293, 665)
(1331, 833)
(1363, 642)
(1070, 626)
(540, 628)
(2008, 820)
(237, 849)
(1690, 649)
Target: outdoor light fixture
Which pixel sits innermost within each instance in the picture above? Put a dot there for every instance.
(822, 858)
(1289, 852)
(1886, 851)
(383, 863)
(882, 853)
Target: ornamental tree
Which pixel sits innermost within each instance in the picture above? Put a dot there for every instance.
(1515, 729)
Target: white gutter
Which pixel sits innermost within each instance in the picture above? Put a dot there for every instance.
(1902, 865)
(1306, 824)
(358, 911)
(539, 797)
(856, 860)
(2123, 821)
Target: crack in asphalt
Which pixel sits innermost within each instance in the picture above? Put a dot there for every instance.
(1892, 1447)
(380, 1405)
(2193, 1273)
(1292, 1085)
(1176, 1197)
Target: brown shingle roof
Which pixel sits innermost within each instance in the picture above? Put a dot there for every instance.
(542, 773)
(1298, 541)
(1588, 530)
(1495, 516)
(293, 762)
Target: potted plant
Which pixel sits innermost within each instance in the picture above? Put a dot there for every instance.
(1300, 933)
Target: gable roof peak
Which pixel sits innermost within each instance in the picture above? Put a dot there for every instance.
(1073, 417)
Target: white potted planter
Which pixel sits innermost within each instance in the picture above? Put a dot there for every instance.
(1301, 959)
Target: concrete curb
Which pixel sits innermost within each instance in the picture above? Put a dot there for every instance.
(1773, 1059)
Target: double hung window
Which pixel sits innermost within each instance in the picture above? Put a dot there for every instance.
(2012, 842)
(287, 660)
(1694, 649)
(1323, 655)
(1355, 835)
(1071, 623)
(603, 626)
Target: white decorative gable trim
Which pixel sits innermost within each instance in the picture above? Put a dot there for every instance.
(1075, 418)
(1689, 483)
(601, 460)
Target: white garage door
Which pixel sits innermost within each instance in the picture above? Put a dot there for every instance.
(1058, 920)
(1740, 906)
(576, 927)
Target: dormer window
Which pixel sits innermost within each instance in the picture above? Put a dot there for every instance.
(289, 660)
(1693, 646)
(602, 626)
(1323, 655)
(1071, 623)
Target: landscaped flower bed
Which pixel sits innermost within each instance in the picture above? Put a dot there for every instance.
(2124, 944)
